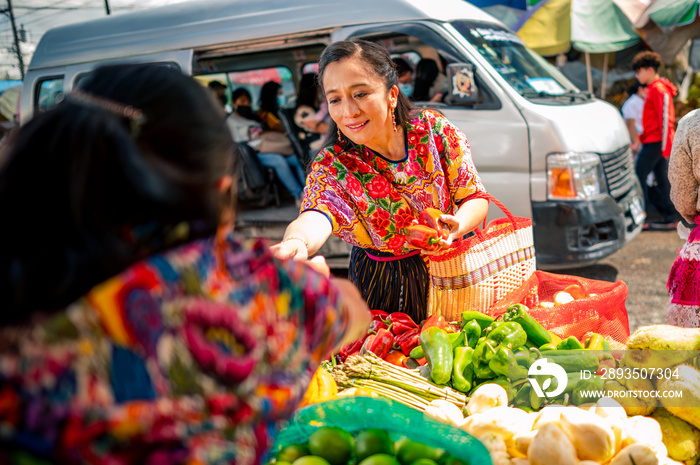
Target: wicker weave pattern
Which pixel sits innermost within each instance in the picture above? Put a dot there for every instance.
(478, 272)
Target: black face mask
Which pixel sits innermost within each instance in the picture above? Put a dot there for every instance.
(245, 111)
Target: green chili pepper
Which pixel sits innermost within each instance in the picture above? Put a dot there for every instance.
(438, 352)
(535, 331)
(463, 370)
(483, 353)
(606, 345)
(504, 363)
(570, 343)
(483, 319)
(547, 347)
(509, 334)
(472, 332)
(535, 401)
(573, 360)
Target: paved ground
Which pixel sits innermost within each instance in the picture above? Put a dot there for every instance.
(643, 265)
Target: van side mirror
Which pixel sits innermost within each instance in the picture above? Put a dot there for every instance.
(462, 86)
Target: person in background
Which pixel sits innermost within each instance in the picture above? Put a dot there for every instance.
(311, 112)
(246, 127)
(430, 84)
(271, 100)
(383, 163)
(632, 111)
(405, 74)
(219, 91)
(136, 327)
(683, 308)
(658, 120)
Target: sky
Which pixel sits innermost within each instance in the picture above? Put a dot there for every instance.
(37, 16)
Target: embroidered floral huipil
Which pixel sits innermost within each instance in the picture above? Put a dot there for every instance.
(370, 199)
(193, 356)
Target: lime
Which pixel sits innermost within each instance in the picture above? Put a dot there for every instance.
(292, 452)
(380, 459)
(310, 460)
(373, 441)
(332, 443)
(410, 451)
(452, 460)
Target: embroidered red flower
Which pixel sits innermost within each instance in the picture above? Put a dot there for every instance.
(381, 164)
(349, 162)
(412, 138)
(327, 159)
(403, 218)
(422, 150)
(378, 188)
(394, 196)
(396, 243)
(333, 171)
(363, 167)
(439, 144)
(362, 205)
(419, 131)
(380, 220)
(353, 186)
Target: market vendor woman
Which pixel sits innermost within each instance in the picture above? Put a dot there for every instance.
(383, 163)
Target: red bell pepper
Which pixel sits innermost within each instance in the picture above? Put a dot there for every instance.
(422, 237)
(395, 357)
(379, 314)
(401, 322)
(435, 320)
(379, 343)
(376, 325)
(431, 217)
(352, 348)
(408, 340)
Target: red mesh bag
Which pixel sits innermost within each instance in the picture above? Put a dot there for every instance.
(604, 313)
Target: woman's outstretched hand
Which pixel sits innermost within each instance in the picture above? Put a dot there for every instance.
(293, 248)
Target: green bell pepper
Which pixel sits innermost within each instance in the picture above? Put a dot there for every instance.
(570, 343)
(462, 369)
(438, 352)
(505, 364)
(509, 334)
(526, 357)
(483, 319)
(483, 353)
(456, 340)
(593, 384)
(472, 332)
(535, 331)
(547, 347)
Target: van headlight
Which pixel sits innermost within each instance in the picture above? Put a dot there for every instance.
(574, 176)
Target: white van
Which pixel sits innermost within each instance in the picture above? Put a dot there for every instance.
(545, 149)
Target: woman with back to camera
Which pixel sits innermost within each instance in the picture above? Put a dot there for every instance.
(383, 163)
(131, 331)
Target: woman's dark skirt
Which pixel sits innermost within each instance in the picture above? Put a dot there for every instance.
(391, 283)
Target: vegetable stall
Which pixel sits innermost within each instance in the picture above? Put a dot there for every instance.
(546, 374)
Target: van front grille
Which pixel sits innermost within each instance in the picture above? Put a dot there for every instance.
(619, 172)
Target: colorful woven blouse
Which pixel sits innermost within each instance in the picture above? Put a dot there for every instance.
(370, 199)
(195, 356)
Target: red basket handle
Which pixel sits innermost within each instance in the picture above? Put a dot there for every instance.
(503, 208)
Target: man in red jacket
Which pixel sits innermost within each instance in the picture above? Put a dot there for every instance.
(658, 121)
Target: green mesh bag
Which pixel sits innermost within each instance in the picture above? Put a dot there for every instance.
(355, 414)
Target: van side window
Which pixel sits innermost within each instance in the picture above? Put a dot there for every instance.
(427, 54)
(49, 93)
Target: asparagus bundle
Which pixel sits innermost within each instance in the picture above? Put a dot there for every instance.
(399, 384)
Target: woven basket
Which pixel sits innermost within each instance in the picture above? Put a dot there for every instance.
(479, 271)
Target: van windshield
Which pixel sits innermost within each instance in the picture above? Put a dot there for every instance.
(530, 74)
